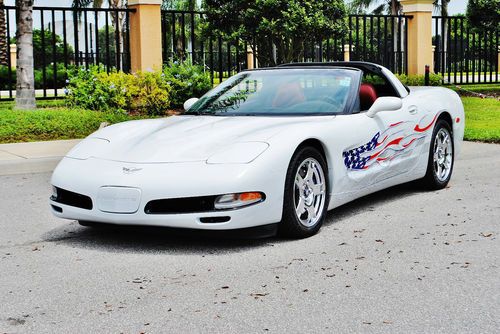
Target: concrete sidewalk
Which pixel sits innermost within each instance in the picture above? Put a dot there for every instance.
(34, 157)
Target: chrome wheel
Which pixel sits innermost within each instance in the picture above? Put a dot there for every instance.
(443, 154)
(309, 192)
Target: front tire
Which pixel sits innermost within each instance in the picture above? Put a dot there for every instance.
(441, 157)
(306, 194)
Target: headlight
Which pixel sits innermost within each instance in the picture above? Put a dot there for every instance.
(239, 153)
(234, 201)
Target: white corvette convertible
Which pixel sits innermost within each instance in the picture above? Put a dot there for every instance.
(273, 148)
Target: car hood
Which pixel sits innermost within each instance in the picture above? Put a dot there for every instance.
(179, 138)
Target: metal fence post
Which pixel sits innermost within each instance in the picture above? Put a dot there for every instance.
(498, 61)
(433, 62)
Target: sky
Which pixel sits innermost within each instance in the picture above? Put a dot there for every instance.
(455, 6)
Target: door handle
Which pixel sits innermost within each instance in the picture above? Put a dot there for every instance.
(412, 110)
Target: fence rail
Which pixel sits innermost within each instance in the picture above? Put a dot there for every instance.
(377, 38)
(464, 55)
(64, 37)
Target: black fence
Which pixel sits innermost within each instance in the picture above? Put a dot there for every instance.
(382, 39)
(182, 39)
(377, 38)
(464, 55)
(66, 37)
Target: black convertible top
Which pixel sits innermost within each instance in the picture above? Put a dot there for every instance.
(361, 65)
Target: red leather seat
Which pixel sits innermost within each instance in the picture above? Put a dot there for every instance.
(367, 95)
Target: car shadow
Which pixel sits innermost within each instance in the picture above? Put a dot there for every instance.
(371, 201)
(152, 239)
(180, 241)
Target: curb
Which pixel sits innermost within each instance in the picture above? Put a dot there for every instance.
(29, 166)
(33, 157)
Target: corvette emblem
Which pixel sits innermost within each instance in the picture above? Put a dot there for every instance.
(130, 170)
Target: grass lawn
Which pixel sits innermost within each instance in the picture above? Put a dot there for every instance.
(482, 119)
(51, 121)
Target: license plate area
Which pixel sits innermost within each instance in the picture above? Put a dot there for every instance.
(118, 199)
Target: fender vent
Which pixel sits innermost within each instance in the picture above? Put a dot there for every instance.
(72, 199)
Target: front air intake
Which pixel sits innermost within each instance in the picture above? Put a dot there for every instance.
(70, 198)
(181, 205)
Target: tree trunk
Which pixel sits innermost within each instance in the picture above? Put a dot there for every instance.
(444, 33)
(4, 43)
(25, 86)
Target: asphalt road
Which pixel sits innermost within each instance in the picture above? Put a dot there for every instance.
(399, 261)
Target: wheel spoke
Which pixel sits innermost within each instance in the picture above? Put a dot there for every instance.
(299, 181)
(310, 171)
(300, 207)
(448, 160)
(311, 212)
(317, 189)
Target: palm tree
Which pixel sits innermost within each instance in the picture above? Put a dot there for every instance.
(25, 85)
(393, 6)
(382, 6)
(3, 36)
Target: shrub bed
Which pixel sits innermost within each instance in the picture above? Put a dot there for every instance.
(419, 80)
(151, 93)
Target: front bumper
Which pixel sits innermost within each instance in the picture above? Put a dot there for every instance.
(172, 180)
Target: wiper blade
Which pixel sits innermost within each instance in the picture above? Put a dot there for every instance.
(197, 113)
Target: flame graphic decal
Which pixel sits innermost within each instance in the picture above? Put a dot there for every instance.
(397, 139)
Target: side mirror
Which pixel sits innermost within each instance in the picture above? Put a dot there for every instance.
(189, 103)
(384, 103)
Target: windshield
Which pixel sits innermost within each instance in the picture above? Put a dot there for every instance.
(281, 92)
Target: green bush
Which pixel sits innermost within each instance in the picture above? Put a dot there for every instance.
(419, 80)
(152, 93)
(95, 89)
(91, 89)
(187, 80)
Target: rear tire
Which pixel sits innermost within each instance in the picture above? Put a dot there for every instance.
(305, 200)
(441, 157)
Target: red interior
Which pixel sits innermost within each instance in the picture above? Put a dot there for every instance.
(367, 95)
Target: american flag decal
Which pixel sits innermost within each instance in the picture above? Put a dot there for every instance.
(353, 159)
(386, 146)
